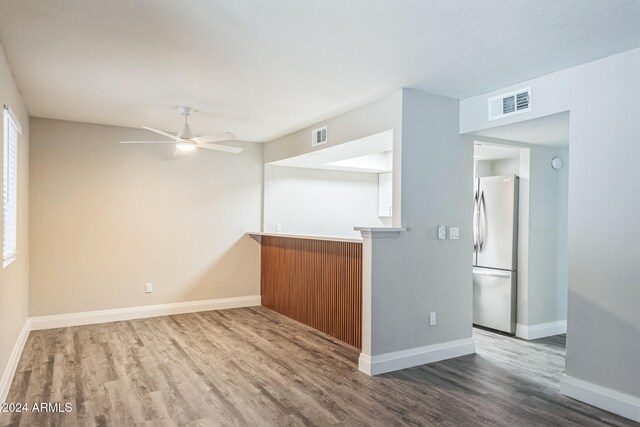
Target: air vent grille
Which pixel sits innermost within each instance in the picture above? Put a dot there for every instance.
(515, 102)
(319, 136)
(522, 101)
(508, 105)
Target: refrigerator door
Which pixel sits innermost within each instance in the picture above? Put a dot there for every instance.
(498, 222)
(494, 299)
(476, 218)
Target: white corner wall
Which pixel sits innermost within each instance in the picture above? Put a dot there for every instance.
(603, 336)
(316, 201)
(14, 279)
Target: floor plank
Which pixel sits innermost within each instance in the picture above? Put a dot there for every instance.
(252, 366)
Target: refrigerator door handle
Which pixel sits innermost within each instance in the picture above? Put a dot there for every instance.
(480, 231)
(476, 214)
(491, 274)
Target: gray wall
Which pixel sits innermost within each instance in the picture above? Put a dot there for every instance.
(603, 339)
(548, 202)
(416, 273)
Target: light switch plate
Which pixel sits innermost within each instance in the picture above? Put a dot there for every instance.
(148, 287)
(442, 232)
(454, 233)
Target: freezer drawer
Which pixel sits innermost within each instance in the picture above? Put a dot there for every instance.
(494, 299)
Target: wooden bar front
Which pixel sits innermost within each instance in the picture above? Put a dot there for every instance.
(316, 282)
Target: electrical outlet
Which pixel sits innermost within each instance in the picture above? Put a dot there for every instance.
(432, 318)
(454, 233)
(148, 288)
(278, 228)
(442, 232)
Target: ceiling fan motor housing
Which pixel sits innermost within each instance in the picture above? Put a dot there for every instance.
(185, 131)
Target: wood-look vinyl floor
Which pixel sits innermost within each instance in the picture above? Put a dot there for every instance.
(252, 366)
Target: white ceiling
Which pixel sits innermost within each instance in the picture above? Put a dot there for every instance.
(262, 69)
(550, 130)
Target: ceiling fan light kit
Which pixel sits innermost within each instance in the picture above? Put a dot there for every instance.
(186, 140)
(186, 146)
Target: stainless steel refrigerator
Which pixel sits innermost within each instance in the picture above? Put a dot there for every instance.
(495, 257)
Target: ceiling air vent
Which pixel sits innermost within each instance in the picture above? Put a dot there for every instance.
(511, 103)
(319, 136)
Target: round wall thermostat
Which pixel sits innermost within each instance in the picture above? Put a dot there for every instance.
(556, 163)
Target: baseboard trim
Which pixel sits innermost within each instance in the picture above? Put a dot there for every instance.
(12, 364)
(388, 362)
(605, 398)
(140, 312)
(541, 330)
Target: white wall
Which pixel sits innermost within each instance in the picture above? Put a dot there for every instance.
(603, 338)
(108, 217)
(482, 168)
(506, 166)
(14, 279)
(509, 166)
(315, 201)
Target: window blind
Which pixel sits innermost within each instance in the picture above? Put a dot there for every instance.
(10, 187)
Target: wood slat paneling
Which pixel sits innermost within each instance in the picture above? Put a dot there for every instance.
(316, 282)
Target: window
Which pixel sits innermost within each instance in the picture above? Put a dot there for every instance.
(10, 188)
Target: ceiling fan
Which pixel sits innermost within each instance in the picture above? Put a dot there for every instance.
(186, 140)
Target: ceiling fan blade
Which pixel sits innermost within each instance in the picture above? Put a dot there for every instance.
(214, 137)
(218, 147)
(147, 142)
(159, 132)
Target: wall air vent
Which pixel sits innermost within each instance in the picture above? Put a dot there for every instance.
(511, 103)
(319, 136)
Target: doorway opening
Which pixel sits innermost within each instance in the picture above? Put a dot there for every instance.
(520, 273)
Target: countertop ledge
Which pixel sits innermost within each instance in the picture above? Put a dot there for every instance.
(380, 232)
(258, 234)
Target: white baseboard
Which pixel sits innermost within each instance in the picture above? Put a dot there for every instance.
(113, 315)
(12, 364)
(415, 356)
(541, 330)
(610, 400)
(129, 313)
